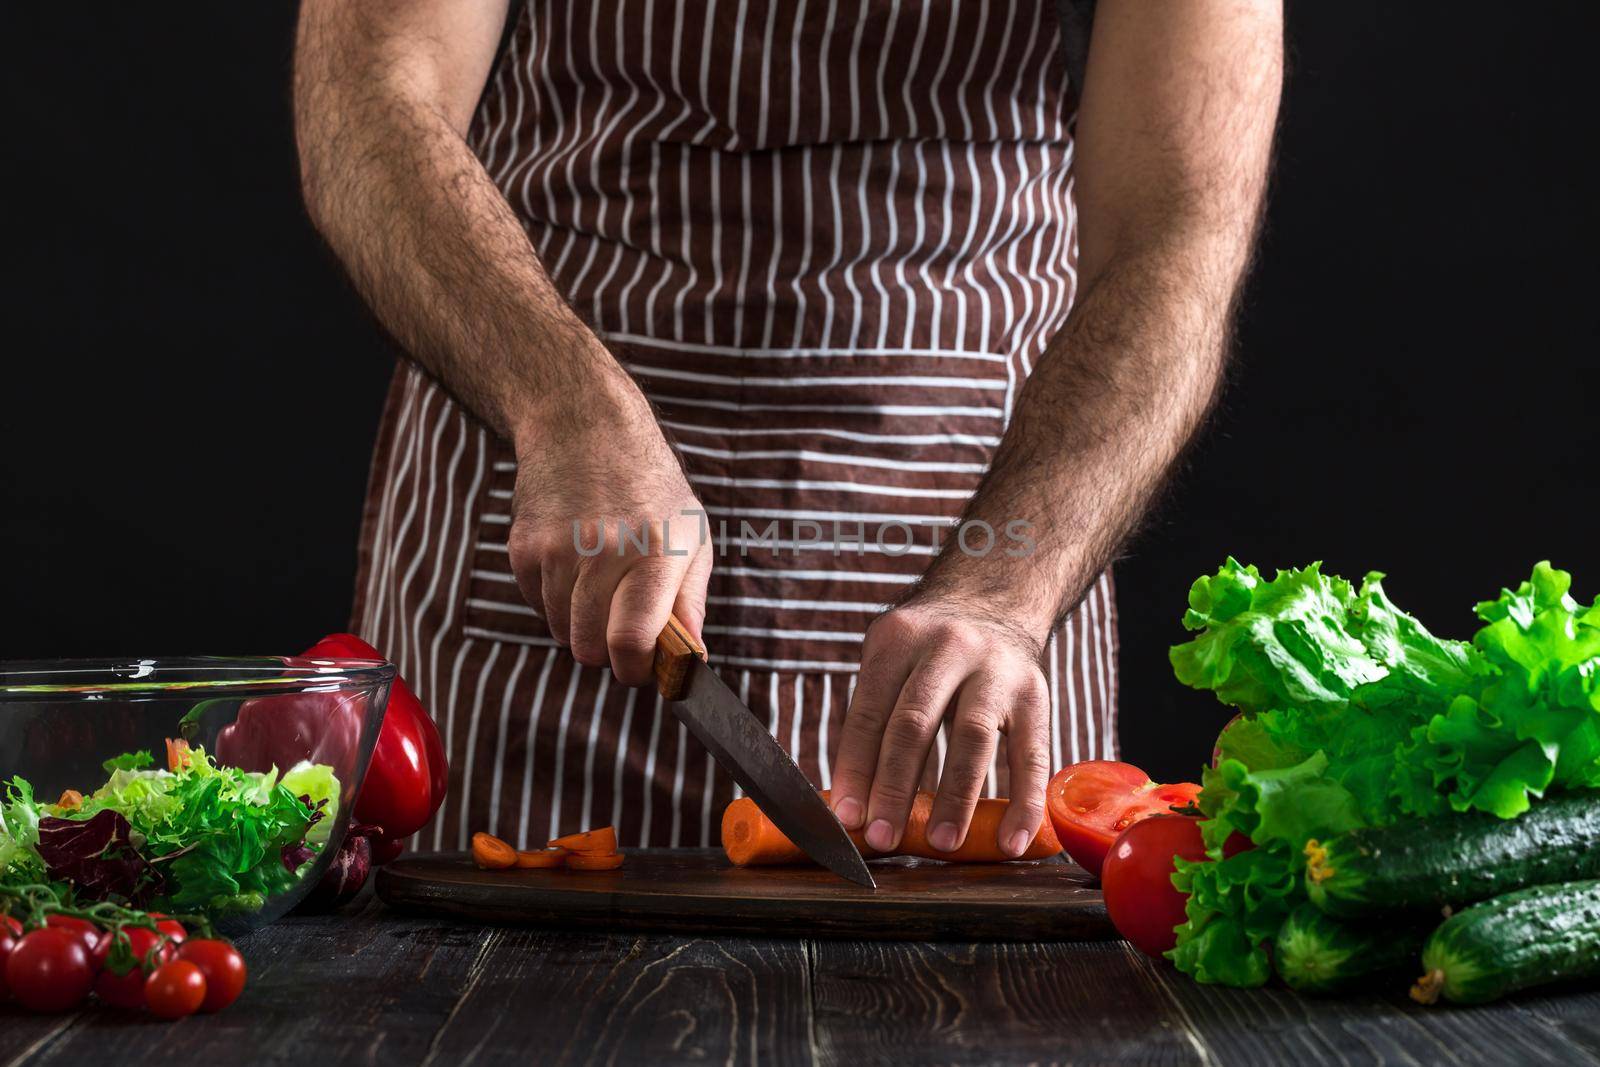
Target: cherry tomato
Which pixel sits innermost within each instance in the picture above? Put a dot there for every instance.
(1137, 880)
(175, 989)
(10, 934)
(170, 926)
(1092, 802)
(223, 967)
(85, 930)
(49, 969)
(126, 990)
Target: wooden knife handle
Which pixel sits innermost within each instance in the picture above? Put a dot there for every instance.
(676, 648)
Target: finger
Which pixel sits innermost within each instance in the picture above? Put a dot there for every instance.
(974, 735)
(525, 567)
(555, 592)
(886, 662)
(690, 603)
(592, 593)
(927, 692)
(530, 583)
(1027, 730)
(639, 611)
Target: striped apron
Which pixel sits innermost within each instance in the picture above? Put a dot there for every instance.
(828, 238)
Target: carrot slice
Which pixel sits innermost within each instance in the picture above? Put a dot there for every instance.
(594, 861)
(751, 839)
(542, 857)
(600, 842)
(491, 853)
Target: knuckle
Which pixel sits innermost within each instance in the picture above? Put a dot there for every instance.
(915, 719)
(859, 730)
(972, 731)
(630, 640)
(955, 638)
(587, 652)
(532, 540)
(1032, 761)
(893, 630)
(891, 794)
(524, 555)
(1035, 693)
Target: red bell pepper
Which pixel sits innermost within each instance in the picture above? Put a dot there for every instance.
(408, 774)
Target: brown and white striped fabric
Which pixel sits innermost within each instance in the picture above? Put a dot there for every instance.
(828, 237)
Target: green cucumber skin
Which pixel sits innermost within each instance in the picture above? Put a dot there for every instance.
(1429, 863)
(1549, 933)
(1316, 953)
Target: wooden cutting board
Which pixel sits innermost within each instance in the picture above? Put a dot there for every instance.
(698, 890)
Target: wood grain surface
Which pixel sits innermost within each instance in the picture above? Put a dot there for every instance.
(697, 890)
(372, 986)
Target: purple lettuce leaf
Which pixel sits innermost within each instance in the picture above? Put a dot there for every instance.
(97, 856)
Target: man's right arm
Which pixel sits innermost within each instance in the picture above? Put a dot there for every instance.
(383, 96)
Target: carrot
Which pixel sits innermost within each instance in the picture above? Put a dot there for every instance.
(542, 857)
(594, 861)
(600, 842)
(491, 853)
(177, 754)
(751, 839)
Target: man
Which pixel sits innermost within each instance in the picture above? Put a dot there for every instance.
(805, 262)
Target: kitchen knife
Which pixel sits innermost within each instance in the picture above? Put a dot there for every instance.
(741, 744)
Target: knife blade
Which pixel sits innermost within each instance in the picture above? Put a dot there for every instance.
(741, 745)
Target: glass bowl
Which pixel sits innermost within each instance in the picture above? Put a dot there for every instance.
(242, 849)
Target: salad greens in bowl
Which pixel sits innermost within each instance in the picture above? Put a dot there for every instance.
(213, 787)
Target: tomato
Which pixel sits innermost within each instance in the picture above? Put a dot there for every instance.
(175, 989)
(85, 930)
(1137, 880)
(10, 934)
(170, 926)
(126, 990)
(1092, 802)
(49, 969)
(223, 967)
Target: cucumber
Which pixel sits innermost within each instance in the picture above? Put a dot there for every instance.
(1549, 933)
(1454, 859)
(1315, 953)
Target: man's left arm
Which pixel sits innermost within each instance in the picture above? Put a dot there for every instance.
(1174, 138)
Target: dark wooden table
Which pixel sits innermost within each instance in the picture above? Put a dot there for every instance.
(370, 986)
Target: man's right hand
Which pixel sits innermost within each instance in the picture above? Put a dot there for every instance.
(599, 460)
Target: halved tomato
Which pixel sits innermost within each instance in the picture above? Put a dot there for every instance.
(1092, 802)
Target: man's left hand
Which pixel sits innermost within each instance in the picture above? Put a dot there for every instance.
(931, 654)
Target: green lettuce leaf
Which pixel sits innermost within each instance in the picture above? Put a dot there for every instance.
(1531, 721)
(1354, 714)
(226, 830)
(20, 863)
(1287, 642)
(316, 782)
(129, 761)
(1235, 906)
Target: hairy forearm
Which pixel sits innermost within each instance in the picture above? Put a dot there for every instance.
(1099, 424)
(426, 236)
(1175, 136)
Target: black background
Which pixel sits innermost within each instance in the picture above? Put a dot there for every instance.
(190, 390)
